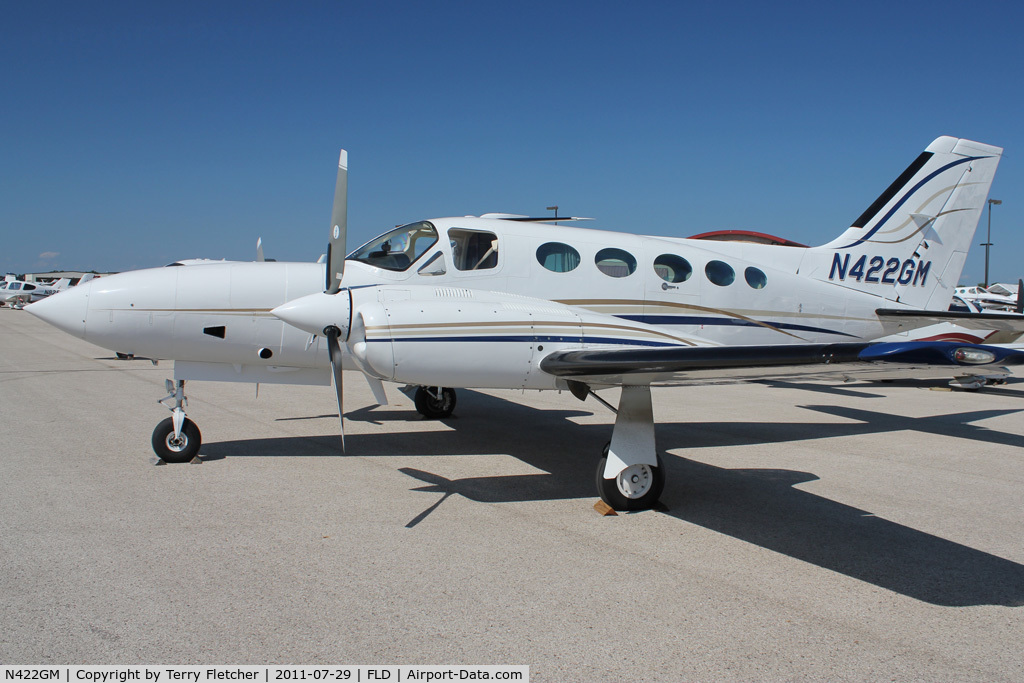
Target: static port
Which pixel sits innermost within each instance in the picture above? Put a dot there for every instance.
(266, 353)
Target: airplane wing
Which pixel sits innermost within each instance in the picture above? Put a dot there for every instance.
(675, 366)
(902, 320)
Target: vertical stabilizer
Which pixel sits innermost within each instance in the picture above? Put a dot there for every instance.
(910, 245)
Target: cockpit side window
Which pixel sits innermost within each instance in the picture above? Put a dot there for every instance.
(433, 265)
(398, 249)
(473, 249)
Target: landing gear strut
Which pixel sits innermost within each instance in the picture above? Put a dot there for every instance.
(630, 474)
(434, 403)
(176, 438)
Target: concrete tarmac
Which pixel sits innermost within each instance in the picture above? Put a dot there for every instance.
(858, 532)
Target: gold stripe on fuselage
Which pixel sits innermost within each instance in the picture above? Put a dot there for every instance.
(631, 306)
(547, 328)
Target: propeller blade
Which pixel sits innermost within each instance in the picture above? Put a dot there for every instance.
(1020, 296)
(334, 351)
(339, 226)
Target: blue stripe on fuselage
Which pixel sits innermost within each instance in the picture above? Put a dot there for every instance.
(726, 322)
(530, 338)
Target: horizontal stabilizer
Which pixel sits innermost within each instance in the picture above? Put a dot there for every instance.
(900, 320)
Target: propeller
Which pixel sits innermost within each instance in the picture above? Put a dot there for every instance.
(339, 227)
(1020, 296)
(329, 313)
(335, 268)
(332, 333)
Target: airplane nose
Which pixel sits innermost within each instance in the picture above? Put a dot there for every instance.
(314, 312)
(65, 310)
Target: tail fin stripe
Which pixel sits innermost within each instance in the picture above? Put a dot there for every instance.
(891, 191)
(922, 228)
(907, 196)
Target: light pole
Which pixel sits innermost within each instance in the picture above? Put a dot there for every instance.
(988, 239)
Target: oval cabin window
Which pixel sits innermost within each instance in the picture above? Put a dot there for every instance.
(672, 268)
(755, 277)
(615, 262)
(558, 257)
(720, 273)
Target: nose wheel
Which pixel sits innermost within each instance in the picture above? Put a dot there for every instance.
(180, 447)
(176, 438)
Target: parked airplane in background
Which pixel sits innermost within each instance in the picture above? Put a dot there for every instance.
(501, 301)
(1015, 292)
(19, 292)
(997, 297)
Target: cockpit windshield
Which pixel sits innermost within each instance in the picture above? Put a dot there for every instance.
(398, 249)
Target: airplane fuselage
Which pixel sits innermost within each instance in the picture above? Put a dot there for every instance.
(641, 291)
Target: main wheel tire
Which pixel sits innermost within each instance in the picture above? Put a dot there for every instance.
(638, 487)
(182, 449)
(433, 408)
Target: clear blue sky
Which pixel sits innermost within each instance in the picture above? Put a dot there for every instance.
(138, 133)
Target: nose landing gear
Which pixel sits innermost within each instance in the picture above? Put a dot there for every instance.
(176, 438)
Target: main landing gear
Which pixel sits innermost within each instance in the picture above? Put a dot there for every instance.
(434, 403)
(637, 487)
(630, 473)
(176, 438)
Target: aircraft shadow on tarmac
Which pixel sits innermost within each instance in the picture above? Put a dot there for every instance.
(860, 390)
(759, 506)
(1012, 387)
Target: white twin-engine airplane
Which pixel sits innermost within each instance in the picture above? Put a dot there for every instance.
(503, 301)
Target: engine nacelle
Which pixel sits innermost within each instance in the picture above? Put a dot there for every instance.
(460, 338)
